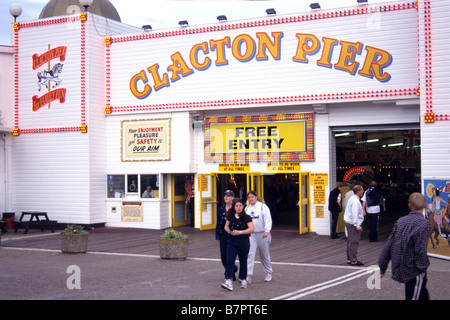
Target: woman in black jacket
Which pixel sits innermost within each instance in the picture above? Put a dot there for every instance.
(239, 226)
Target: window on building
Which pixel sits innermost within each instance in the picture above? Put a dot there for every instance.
(116, 186)
(165, 178)
(132, 183)
(149, 185)
(144, 185)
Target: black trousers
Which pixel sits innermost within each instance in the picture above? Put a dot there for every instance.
(415, 289)
(237, 248)
(374, 218)
(223, 252)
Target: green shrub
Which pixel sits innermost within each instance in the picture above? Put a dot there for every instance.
(173, 234)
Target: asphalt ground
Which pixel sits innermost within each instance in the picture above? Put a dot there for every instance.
(32, 271)
(41, 274)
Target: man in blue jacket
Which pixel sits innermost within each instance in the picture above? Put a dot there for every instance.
(221, 235)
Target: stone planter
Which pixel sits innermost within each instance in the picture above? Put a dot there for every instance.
(74, 243)
(173, 249)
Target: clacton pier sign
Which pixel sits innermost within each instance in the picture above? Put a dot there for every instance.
(293, 61)
(245, 48)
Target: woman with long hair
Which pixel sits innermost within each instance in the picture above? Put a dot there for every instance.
(239, 226)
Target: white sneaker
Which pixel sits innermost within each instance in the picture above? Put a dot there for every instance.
(249, 280)
(228, 285)
(268, 277)
(244, 284)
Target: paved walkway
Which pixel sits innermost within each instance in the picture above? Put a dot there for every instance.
(125, 264)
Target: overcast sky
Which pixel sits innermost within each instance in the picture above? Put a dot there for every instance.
(163, 14)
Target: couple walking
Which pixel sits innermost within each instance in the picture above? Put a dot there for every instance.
(241, 230)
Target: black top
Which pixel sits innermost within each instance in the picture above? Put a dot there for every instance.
(220, 222)
(240, 224)
(332, 200)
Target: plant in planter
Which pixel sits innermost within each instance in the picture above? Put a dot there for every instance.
(173, 245)
(74, 239)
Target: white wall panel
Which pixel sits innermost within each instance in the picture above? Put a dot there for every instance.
(63, 173)
(320, 165)
(6, 87)
(50, 175)
(434, 136)
(369, 113)
(181, 146)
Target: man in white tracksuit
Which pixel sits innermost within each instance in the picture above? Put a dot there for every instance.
(261, 238)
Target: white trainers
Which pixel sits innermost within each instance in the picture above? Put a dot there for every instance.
(268, 277)
(244, 284)
(228, 284)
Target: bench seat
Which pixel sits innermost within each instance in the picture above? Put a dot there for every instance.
(32, 224)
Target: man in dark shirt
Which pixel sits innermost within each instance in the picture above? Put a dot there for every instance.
(334, 206)
(407, 248)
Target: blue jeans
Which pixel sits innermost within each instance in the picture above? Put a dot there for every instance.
(223, 252)
(334, 222)
(237, 248)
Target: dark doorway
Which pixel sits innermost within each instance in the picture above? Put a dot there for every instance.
(390, 157)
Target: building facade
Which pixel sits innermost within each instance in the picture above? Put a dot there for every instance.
(285, 105)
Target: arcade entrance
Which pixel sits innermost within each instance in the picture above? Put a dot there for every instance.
(286, 194)
(387, 154)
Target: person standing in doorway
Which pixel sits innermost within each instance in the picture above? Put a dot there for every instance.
(406, 248)
(239, 226)
(261, 238)
(348, 195)
(189, 188)
(353, 218)
(335, 207)
(221, 234)
(372, 201)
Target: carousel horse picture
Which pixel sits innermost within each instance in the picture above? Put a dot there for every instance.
(46, 77)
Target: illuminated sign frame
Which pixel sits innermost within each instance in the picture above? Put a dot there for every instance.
(245, 156)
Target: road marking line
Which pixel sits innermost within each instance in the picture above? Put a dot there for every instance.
(12, 238)
(295, 264)
(322, 286)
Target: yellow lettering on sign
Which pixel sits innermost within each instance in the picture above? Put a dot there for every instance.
(283, 166)
(265, 43)
(140, 77)
(347, 57)
(179, 67)
(203, 182)
(319, 179)
(194, 56)
(320, 212)
(308, 44)
(319, 194)
(249, 47)
(376, 61)
(245, 47)
(228, 167)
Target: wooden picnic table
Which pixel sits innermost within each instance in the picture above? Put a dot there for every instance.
(35, 219)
